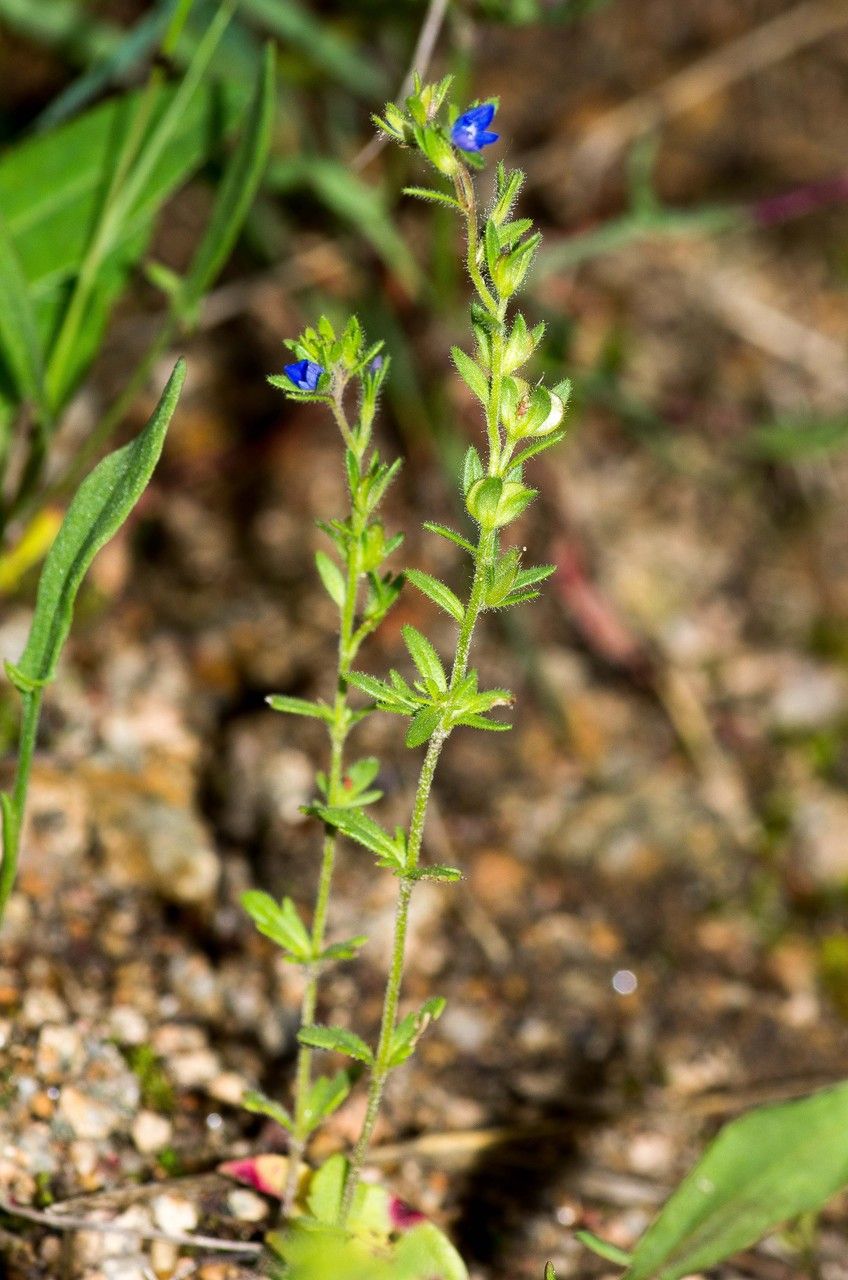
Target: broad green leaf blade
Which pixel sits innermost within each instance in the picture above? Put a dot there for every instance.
(101, 505)
(771, 1165)
(337, 1040)
(437, 592)
(19, 338)
(235, 196)
(424, 1252)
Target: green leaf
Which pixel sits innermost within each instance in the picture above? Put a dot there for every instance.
(423, 725)
(410, 1029)
(360, 827)
(19, 338)
(325, 1096)
(472, 469)
(429, 193)
(425, 657)
(538, 446)
(332, 578)
(528, 577)
(424, 1252)
(437, 872)
(99, 508)
(483, 722)
(258, 1104)
(300, 707)
(237, 189)
(771, 1165)
(471, 374)
(344, 950)
(550, 1274)
(609, 1252)
(444, 532)
(337, 1040)
(280, 922)
(437, 592)
(326, 1185)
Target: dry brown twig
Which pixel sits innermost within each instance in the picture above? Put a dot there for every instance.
(423, 52)
(65, 1222)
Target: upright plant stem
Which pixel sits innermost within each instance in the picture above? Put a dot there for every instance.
(14, 805)
(339, 729)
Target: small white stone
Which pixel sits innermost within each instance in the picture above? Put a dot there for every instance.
(174, 1214)
(151, 1132)
(127, 1025)
(59, 1051)
(40, 1006)
(87, 1117)
(194, 1069)
(228, 1087)
(246, 1205)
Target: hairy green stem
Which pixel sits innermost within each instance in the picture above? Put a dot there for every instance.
(14, 805)
(339, 729)
(483, 558)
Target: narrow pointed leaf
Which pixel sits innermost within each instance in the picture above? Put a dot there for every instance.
(444, 532)
(258, 1104)
(331, 576)
(424, 656)
(326, 1096)
(337, 1040)
(471, 374)
(359, 827)
(429, 193)
(101, 505)
(424, 724)
(437, 592)
(609, 1252)
(299, 706)
(238, 187)
(278, 921)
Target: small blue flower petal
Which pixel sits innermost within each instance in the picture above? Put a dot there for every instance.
(303, 374)
(471, 130)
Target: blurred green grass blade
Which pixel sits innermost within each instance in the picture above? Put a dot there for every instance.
(793, 440)
(235, 195)
(293, 24)
(19, 339)
(100, 506)
(354, 201)
(771, 1165)
(127, 53)
(64, 24)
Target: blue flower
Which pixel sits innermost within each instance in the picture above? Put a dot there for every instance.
(471, 130)
(303, 374)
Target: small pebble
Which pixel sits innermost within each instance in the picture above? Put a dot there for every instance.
(174, 1214)
(247, 1206)
(87, 1117)
(151, 1132)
